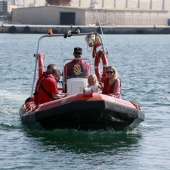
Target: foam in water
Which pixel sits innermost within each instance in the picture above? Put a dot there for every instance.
(12, 96)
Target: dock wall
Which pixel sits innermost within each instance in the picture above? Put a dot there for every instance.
(43, 29)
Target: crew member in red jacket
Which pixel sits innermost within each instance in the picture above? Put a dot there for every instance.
(50, 67)
(48, 88)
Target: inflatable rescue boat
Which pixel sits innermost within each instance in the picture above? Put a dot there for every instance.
(82, 109)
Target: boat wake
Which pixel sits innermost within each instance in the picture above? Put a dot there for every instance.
(10, 101)
(4, 94)
(6, 125)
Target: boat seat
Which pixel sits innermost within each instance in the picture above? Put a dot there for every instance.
(76, 85)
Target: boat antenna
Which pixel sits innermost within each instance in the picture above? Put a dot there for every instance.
(93, 5)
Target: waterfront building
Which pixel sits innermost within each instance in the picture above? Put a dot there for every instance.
(80, 12)
(3, 8)
(34, 3)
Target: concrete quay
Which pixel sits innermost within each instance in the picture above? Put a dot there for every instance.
(59, 29)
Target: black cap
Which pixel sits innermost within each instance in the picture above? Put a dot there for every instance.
(77, 50)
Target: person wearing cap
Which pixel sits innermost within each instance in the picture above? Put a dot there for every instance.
(77, 67)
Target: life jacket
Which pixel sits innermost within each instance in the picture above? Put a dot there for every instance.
(109, 88)
(40, 85)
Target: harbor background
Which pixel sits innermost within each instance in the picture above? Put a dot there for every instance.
(43, 29)
(143, 64)
(116, 16)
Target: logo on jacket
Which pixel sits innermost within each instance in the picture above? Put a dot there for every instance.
(77, 69)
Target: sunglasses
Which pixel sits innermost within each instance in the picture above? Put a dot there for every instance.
(78, 53)
(109, 72)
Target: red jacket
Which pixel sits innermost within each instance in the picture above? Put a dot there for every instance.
(37, 86)
(107, 89)
(46, 89)
(47, 82)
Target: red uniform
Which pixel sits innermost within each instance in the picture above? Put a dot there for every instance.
(37, 86)
(46, 88)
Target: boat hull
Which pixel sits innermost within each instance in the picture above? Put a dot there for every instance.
(84, 114)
